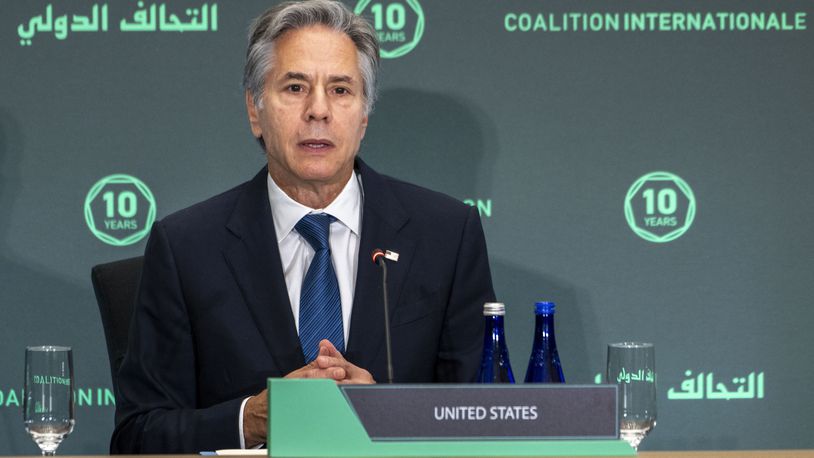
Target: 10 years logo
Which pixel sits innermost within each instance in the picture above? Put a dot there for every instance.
(660, 207)
(399, 24)
(120, 209)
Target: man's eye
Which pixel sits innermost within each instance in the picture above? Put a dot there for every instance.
(342, 90)
(295, 88)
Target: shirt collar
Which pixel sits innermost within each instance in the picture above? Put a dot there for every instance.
(346, 208)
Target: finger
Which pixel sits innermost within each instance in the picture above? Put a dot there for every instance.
(296, 374)
(326, 348)
(338, 373)
(324, 362)
(358, 375)
(313, 370)
(299, 373)
(334, 373)
(368, 380)
(354, 374)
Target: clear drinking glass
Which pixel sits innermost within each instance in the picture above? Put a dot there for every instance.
(48, 403)
(632, 365)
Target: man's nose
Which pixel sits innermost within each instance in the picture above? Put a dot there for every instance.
(318, 108)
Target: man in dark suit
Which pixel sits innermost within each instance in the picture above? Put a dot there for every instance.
(273, 278)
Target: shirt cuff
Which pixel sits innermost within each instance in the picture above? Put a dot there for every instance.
(240, 424)
(240, 427)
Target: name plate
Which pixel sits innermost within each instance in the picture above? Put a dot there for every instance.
(485, 412)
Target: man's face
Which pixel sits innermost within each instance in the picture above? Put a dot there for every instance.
(312, 117)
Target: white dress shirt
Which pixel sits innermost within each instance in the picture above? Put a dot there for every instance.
(296, 253)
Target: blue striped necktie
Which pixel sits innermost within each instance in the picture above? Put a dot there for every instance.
(320, 305)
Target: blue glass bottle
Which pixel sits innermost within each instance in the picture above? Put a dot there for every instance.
(494, 365)
(544, 362)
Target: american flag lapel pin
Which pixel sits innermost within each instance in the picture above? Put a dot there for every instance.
(391, 256)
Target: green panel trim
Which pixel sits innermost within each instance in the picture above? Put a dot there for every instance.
(311, 418)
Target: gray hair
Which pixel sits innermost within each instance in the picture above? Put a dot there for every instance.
(286, 16)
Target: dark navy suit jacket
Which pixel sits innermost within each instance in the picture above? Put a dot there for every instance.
(213, 319)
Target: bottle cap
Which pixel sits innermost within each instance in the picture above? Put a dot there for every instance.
(494, 309)
(544, 308)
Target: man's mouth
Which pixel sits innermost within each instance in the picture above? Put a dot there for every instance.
(316, 144)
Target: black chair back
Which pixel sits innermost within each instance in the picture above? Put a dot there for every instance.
(116, 285)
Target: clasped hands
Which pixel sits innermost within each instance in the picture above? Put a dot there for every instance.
(329, 364)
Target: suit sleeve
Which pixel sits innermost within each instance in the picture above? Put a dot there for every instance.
(157, 409)
(462, 337)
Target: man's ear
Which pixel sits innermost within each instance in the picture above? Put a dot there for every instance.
(254, 116)
(364, 127)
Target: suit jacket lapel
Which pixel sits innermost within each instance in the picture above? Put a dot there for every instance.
(382, 220)
(255, 262)
(254, 259)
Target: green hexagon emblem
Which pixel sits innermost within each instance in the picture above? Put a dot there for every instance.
(399, 24)
(660, 207)
(120, 209)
